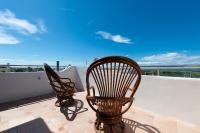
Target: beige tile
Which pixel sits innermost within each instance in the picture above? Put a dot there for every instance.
(3, 126)
(187, 128)
(20, 120)
(165, 125)
(52, 120)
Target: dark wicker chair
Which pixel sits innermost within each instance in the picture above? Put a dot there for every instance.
(63, 87)
(113, 82)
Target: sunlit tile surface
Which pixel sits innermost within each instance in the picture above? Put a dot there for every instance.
(44, 117)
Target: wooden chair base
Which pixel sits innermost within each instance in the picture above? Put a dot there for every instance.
(64, 102)
(109, 124)
(109, 128)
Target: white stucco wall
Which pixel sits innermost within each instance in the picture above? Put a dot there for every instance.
(81, 75)
(19, 85)
(176, 97)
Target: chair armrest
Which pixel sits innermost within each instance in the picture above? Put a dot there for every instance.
(93, 90)
(90, 98)
(130, 101)
(64, 88)
(91, 102)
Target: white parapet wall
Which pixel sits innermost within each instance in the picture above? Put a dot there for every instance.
(170, 96)
(175, 97)
(20, 85)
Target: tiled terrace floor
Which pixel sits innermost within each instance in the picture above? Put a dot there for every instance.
(44, 117)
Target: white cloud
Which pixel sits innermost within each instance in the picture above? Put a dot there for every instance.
(10, 24)
(20, 61)
(5, 59)
(170, 58)
(42, 26)
(9, 19)
(15, 61)
(7, 39)
(115, 38)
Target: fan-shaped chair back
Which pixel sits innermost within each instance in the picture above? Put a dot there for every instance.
(54, 78)
(113, 76)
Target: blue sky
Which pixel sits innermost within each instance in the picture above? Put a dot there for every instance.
(156, 32)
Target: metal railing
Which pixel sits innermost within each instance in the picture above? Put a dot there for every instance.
(172, 71)
(27, 68)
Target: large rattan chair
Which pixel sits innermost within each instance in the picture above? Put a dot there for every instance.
(111, 84)
(63, 87)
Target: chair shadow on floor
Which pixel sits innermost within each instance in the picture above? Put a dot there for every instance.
(71, 111)
(132, 126)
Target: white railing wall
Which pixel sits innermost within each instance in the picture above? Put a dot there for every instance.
(176, 97)
(20, 85)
